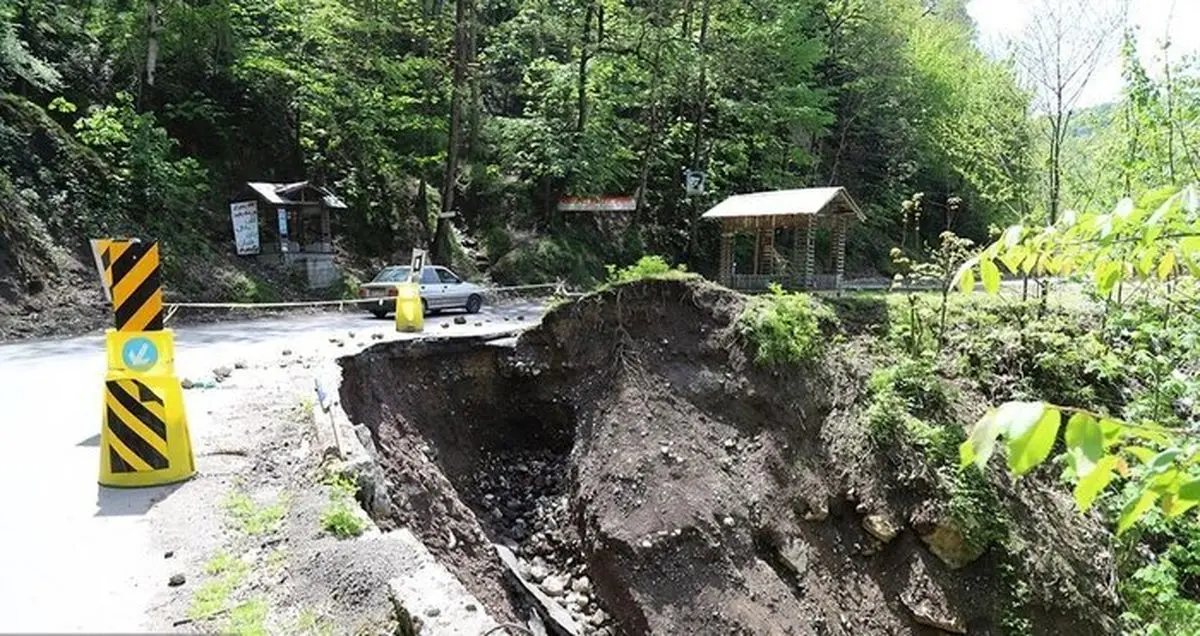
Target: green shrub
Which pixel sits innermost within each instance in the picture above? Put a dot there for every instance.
(916, 382)
(1055, 357)
(645, 267)
(784, 328)
(341, 518)
(910, 405)
(910, 402)
(1158, 570)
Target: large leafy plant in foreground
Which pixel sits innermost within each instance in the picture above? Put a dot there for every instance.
(1154, 239)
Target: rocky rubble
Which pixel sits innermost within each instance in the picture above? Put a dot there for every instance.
(521, 497)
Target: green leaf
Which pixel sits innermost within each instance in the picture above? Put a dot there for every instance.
(1164, 460)
(1085, 442)
(1107, 274)
(1166, 265)
(1151, 234)
(1186, 498)
(1134, 510)
(1189, 247)
(1016, 418)
(1145, 263)
(1144, 455)
(981, 441)
(1167, 482)
(1167, 207)
(1148, 434)
(1091, 485)
(1173, 506)
(990, 274)
(1012, 259)
(966, 280)
(1030, 261)
(1029, 448)
(1113, 431)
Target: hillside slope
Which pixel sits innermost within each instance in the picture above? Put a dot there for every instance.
(52, 198)
(56, 194)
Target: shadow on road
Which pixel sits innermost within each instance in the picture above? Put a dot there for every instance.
(93, 441)
(120, 502)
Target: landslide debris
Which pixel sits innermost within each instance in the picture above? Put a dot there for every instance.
(652, 478)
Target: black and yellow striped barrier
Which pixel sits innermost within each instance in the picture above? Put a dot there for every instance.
(144, 438)
(132, 272)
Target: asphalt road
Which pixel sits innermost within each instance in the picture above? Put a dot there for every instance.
(75, 556)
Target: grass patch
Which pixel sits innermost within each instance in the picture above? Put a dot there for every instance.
(341, 517)
(309, 623)
(249, 618)
(253, 518)
(223, 562)
(784, 328)
(213, 596)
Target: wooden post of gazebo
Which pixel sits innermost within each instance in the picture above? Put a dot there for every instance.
(725, 275)
(802, 212)
(839, 250)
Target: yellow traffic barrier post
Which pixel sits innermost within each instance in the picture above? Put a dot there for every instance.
(144, 438)
(410, 312)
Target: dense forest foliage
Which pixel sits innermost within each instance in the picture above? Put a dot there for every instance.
(496, 108)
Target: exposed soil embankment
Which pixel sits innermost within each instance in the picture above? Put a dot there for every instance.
(654, 479)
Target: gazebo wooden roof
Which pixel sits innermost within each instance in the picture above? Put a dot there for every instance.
(785, 208)
(800, 211)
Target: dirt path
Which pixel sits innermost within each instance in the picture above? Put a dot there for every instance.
(268, 538)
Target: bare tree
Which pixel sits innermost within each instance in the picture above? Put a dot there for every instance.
(1063, 44)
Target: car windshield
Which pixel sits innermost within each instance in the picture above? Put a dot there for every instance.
(392, 275)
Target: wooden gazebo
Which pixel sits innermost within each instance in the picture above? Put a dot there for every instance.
(800, 211)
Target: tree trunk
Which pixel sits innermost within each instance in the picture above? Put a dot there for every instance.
(152, 31)
(441, 236)
(421, 210)
(1170, 114)
(584, 58)
(698, 130)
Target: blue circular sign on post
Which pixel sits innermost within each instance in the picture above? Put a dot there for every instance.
(139, 354)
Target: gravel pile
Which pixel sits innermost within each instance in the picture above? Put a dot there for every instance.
(523, 499)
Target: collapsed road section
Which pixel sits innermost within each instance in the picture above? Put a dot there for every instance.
(627, 468)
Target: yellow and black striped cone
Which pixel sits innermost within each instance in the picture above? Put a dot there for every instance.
(144, 440)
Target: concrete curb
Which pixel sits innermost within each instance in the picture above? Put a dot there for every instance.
(428, 598)
(348, 449)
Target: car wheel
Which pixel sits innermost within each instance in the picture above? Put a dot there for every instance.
(379, 313)
(474, 303)
(424, 307)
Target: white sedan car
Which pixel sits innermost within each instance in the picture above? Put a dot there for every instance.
(440, 289)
